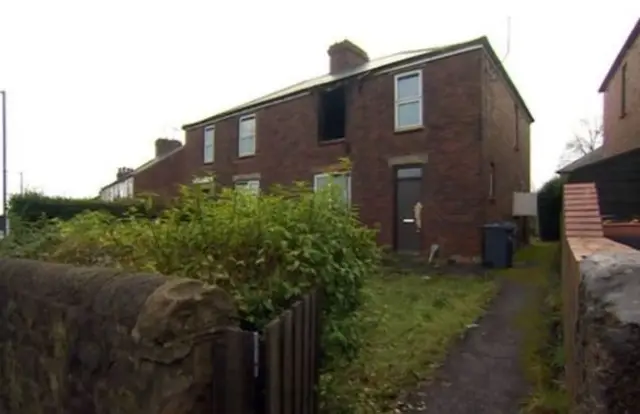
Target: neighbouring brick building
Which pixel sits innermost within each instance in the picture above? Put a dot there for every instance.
(166, 168)
(621, 106)
(621, 90)
(438, 139)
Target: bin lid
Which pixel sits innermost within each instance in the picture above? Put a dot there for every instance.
(506, 225)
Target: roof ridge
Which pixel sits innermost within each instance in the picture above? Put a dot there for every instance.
(373, 64)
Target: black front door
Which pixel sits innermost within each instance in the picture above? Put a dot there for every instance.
(408, 182)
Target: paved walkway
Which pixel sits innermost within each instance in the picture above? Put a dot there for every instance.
(483, 373)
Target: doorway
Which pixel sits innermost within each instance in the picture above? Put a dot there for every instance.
(408, 208)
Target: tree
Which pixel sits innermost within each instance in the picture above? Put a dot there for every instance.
(585, 140)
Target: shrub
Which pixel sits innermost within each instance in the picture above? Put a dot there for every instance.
(550, 209)
(33, 207)
(266, 251)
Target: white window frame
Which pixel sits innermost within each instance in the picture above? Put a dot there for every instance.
(209, 148)
(242, 119)
(253, 185)
(317, 177)
(398, 101)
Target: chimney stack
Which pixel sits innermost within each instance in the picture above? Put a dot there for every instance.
(166, 145)
(344, 56)
(123, 172)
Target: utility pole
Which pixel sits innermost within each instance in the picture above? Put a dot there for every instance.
(21, 182)
(4, 162)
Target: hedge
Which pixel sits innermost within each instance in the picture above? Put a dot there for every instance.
(34, 207)
(550, 209)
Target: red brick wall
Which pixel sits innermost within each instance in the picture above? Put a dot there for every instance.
(162, 178)
(454, 190)
(505, 144)
(622, 133)
(452, 198)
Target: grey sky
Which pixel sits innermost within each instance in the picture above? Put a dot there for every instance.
(91, 84)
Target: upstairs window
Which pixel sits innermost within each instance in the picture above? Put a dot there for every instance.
(251, 186)
(209, 144)
(623, 91)
(408, 100)
(332, 114)
(247, 136)
(341, 180)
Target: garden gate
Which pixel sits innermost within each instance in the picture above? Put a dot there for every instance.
(274, 371)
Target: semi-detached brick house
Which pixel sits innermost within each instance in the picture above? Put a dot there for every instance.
(444, 127)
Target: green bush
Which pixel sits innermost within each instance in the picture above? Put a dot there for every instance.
(34, 207)
(550, 209)
(266, 251)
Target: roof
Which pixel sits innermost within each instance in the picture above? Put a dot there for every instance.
(143, 167)
(372, 65)
(635, 32)
(592, 157)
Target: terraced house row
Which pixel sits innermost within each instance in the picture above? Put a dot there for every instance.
(438, 139)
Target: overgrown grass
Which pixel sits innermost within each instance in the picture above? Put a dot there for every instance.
(540, 320)
(410, 321)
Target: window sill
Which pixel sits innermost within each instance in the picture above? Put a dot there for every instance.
(408, 129)
(331, 142)
(208, 162)
(246, 157)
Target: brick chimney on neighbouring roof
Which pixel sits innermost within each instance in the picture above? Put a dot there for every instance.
(166, 145)
(345, 55)
(123, 172)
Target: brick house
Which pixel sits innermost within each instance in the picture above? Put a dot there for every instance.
(615, 166)
(166, 168)
(438, 139)
(621, 105)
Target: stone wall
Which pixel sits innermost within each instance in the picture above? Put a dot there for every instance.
(88, 340)
(608, 334)
(601, 311)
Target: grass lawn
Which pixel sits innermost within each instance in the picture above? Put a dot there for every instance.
(410, 322)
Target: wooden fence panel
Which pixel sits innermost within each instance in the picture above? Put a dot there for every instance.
(233, 372)
(286, 378)
(287, 363)
(306, 353)
(298, 318)
(273, 367)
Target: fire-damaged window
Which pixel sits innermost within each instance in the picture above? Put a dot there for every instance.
(332, 114)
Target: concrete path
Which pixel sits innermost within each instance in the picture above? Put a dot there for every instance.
(483, 373)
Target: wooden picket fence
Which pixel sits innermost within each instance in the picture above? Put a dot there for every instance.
(274, 371)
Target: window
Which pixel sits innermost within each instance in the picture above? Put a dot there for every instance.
(492, 181)
(247, 136)
(209, 144)
(333, 114)
(623, 91)
(342, 181)
(206, 184)
(408, 100)
(252, 186)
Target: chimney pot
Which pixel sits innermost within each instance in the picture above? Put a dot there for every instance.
(123, 172)
(345, 55)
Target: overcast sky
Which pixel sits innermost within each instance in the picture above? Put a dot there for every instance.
(91, 84)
